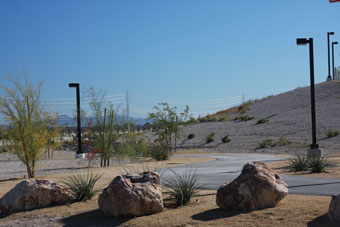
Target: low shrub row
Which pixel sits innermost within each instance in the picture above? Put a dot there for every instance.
(314, 164)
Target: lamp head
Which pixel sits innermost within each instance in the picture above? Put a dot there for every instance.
(334, 43)
(73, 85)
(330, 33)
(301, 41)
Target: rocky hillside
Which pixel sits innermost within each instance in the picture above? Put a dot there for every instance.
(289, 118)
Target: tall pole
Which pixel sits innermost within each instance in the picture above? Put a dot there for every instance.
(128, 110)
(329, 65)
(76, 85)
(312, 91)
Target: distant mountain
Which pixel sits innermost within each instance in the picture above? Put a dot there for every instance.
(72, 122)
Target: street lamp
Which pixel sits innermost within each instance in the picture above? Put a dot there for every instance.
(314, 147)
(333, 43)
(329, 65)
(79, 153)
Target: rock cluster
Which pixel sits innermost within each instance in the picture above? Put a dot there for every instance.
(132, 195)
(257, 187)
(32, 194)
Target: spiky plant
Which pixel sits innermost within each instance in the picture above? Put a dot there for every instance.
(182, 187)
(318, 164)
(299, 163)
(82, 186)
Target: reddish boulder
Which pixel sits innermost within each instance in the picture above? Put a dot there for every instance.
(257, 187)
(334, 209)
(132, 195)
(32, 194)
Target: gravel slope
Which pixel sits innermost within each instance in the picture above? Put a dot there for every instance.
(289, 116)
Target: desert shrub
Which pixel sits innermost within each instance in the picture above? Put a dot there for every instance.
(226, 139)
(210, 138)
(191, 135)
(3, 150)
(182, 187)
(318, 164)
(267, 143)
(192, 120)
(243, 118)
(244, 107)
(159, 151)
(222, 119)
(82, 186)
(142, 148)
(284, 141)
(299, 163)
(126, 149)
(208, 118)
(262, 120)
(332, 133)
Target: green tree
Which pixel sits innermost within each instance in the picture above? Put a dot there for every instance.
(20, 104)
(166, 122)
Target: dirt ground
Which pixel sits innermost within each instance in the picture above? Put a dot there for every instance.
(293, 210)
(333, 171)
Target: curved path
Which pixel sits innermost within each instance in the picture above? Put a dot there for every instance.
(227, 167)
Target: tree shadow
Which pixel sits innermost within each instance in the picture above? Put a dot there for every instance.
(215, 214)
(321, 221)
(93, 218)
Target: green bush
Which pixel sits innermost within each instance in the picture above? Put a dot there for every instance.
(182, 187)
(262, 120)
(267, 143)
(226, 139)
(318, 164)
(126, 149)
(332, 133)
(82, 186)
(191, 136)
(284, 141)
(243, 118)
(192, 120)
(223, 119)
(159, 151)
(210, 138)
(244, 107)
(208, 118)
(298, 164)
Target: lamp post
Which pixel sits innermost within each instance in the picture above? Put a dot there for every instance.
(329, 65)
(314, 147)
(79, 153)
(333, 43)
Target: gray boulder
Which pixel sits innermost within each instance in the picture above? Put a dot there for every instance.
(32, 194)
(257, 187)
(132, 195)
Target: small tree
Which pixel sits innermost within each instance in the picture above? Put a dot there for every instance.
(166, 122)
(21, 106)
(53, 137)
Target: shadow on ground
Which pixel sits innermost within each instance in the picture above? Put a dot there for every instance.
(215, 214)
(92, 218)
(321, 221)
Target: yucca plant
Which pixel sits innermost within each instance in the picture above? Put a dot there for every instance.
(299, 163)
(82, 186)
(318, 164)
(182, 187)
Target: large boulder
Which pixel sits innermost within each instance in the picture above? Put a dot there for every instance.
(32, 194)
(334, 209)
(257, 187)
(132, 195)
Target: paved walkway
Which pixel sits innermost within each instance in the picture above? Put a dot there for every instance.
(227, 167)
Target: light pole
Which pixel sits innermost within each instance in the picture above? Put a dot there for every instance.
(79, 153)
(314, 147)
(329, 64)
(333, 43)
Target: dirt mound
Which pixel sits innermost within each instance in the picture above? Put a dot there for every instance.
(289, 118)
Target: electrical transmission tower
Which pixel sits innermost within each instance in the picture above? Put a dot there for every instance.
(128, 110)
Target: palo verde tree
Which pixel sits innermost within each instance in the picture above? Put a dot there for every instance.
(20, 104)
(166, 122)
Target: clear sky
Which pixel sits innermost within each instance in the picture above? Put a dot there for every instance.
(202, 53)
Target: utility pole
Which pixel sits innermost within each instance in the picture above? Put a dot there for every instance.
(243, 97)
(128, 110)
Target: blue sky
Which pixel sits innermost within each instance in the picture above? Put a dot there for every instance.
(202, 53)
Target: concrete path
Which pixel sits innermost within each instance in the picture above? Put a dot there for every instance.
(227, 167)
